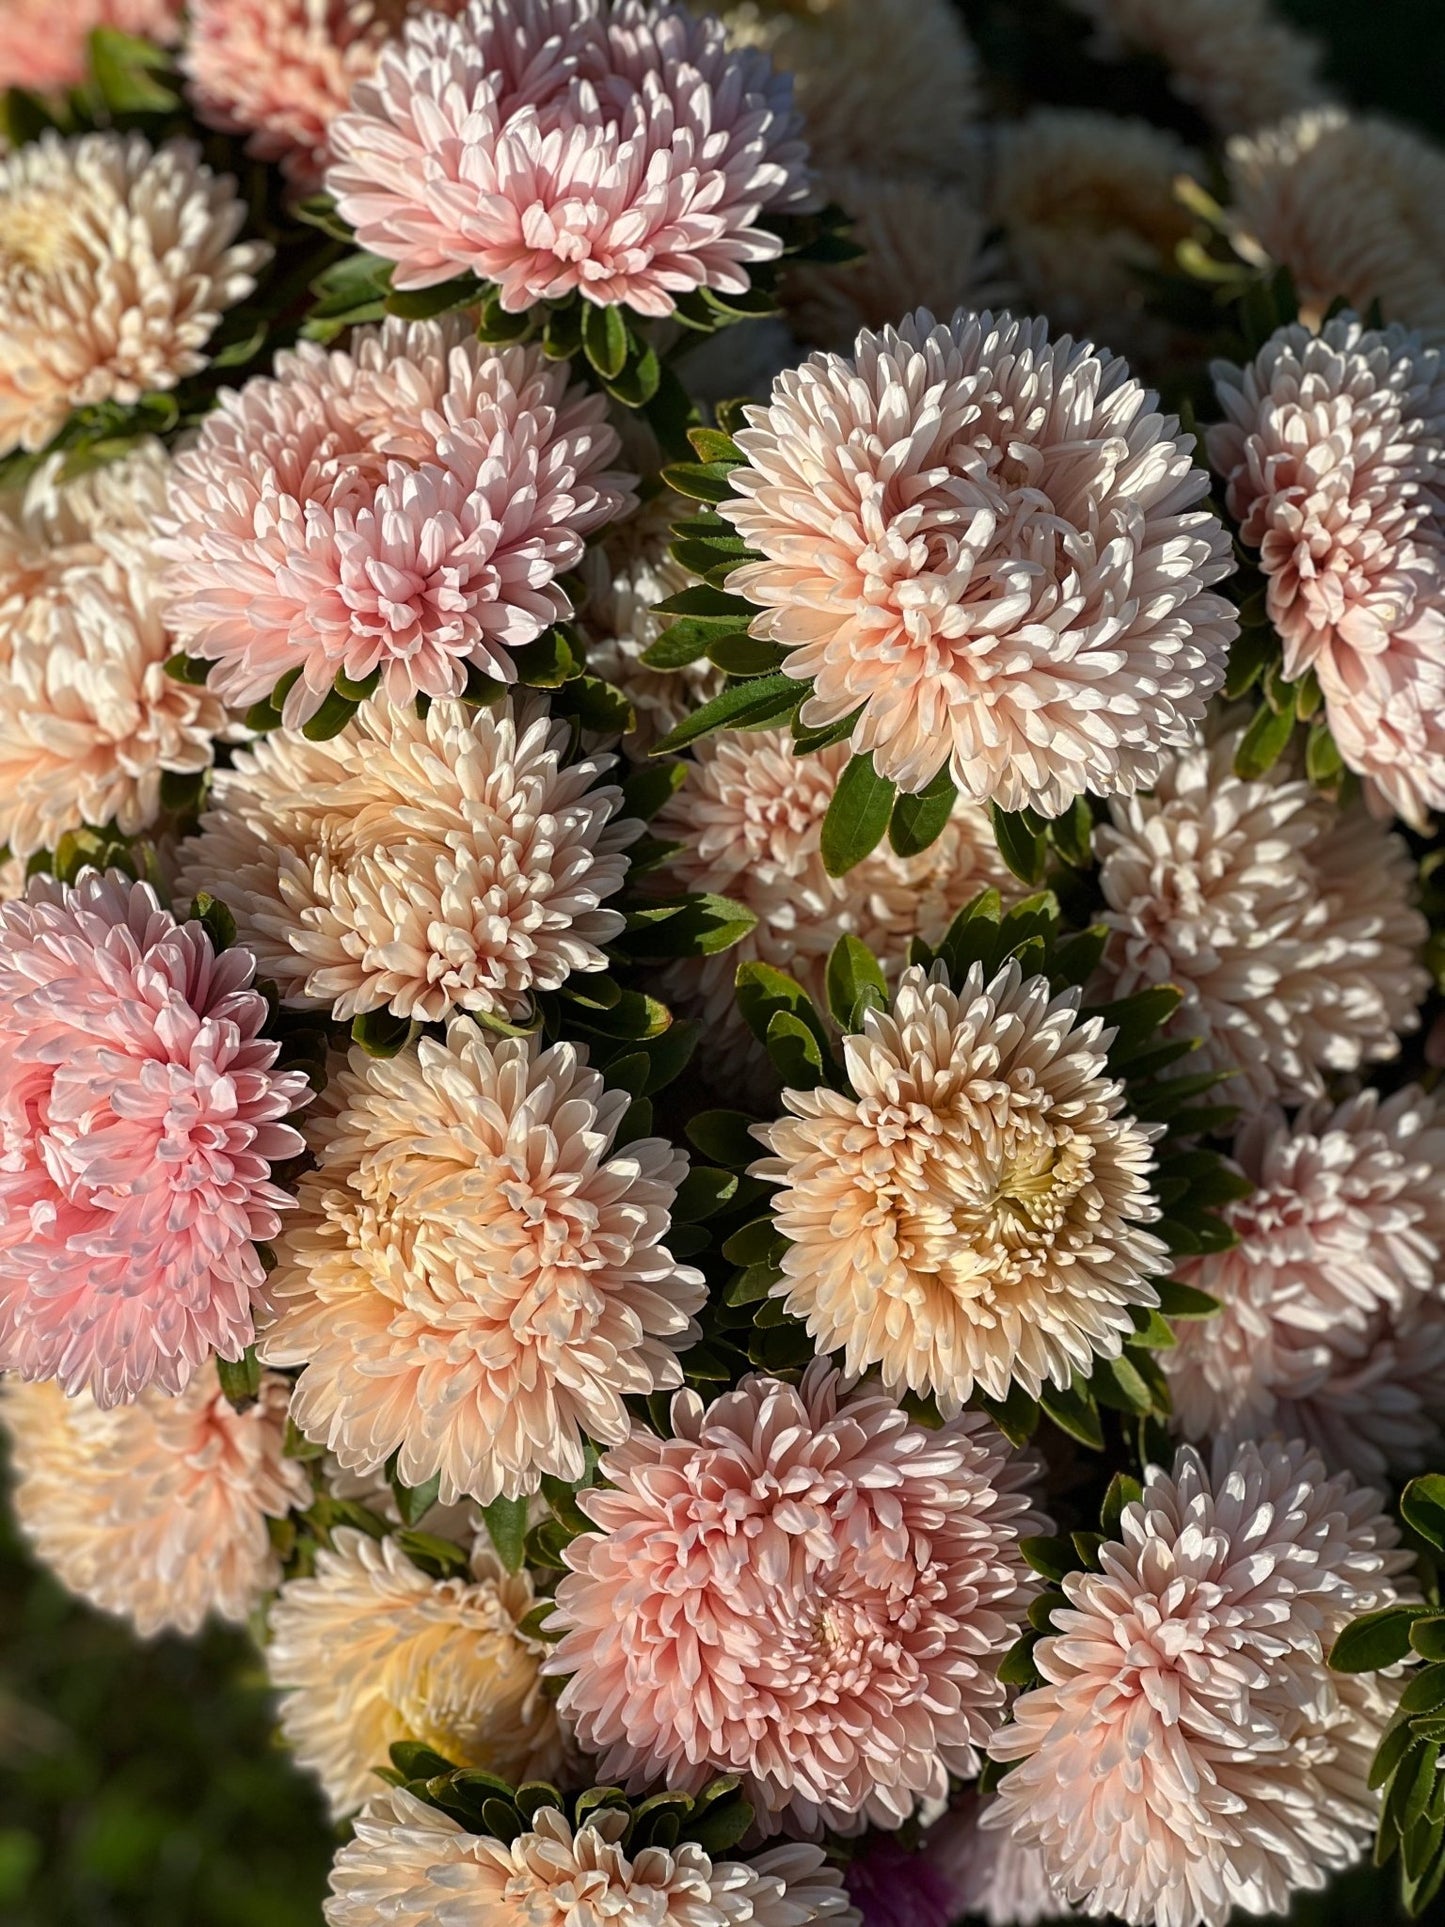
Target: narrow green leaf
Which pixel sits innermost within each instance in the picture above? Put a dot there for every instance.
(414, 1502)
(703, 1193)
(192, 670)
(918, 821)
(1017, 1668)
(700, 481)
(240, 1378)
(1023, 849)
(1427, 1638)
(711, 445)
(742, 705)
(506, 1523)
(744, 655)
(332, 717)
(1015, 1416)
(381, 1033)
(857, 818)
(1422, 1505)
(854, 980)
(1124, 1489)
(725, 1137)
(1375, 1639)
(1050, 1557)
(1263, 743)
(1074, 1412)
(605, 339)
(795, 1051)
(702, 926)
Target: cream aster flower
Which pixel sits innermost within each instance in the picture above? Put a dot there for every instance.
(156, 1510)
(1332, 1325)
(371, 1650)
(885, 85)
(417, 862)
(1290, 927)
(1190, 1752)
(1237, 61)
(58, 526)
(116, 263)
(805, 1589)
(925, 242)
(1032, 609)
(1333, 449)
(411, 1866)
(973, 1217)
(1088, 208)
(1353, 206)
(476, 1279)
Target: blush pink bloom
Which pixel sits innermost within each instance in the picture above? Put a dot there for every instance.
(405, 507)
(811, 1591)
(988, 543)
(555, 147)
(1333, 449)
(43, 43)
(282, 70)
(140, 1115)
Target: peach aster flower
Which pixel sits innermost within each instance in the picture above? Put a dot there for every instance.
(1189, 1751)
(410, 1866)
(416, 863)
(811, 1591)
(44, 44)
(403, 509)
(973, 1216)
(476, 1278)
(141, 1115)
(989, 542)
(556, 147)
(1291, 927)
(158, 1510)
(371, 1650)
(1333, 449)
(116, 263)
(1333, 1319)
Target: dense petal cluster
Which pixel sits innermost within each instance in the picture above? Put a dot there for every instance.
(157, 1510)
(281, 71)
(559, 147)
(371, 1650)
(1353, 206)
(1332, 1325)
(972, 1215)
(1238, 61)
(116, 263)
(808, 1590)
(417, 862)
(402, 509)
(44, 43)
(410, 1866)
(476, 1278)
(1189, 1751)
(1290, 926)
(990, 542)
(141, 1115)
(1333, 451)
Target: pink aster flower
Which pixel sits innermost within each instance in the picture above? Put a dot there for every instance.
(44, 44)
(808, 1590)
(1333, 448)
(282, 70)
(140, 1115)
(405, 507)
(989, 543)
(1189, 1751)
(555, 147)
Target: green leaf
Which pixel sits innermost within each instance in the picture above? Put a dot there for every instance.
(704, 1192)
(1422, 1505)
(806, 741)
(1072, 834)
(691, 637)
(381, 1033)
(439, 1557)
(1116, 1382)
(240, 1378)
(1015, 1416)
(596, 704)
(192, 670)
(554, 658)
(215, 919)
(414, 1502)
(125, 71)
(500, 325)
(648, 788)
(855, 982)
(1049, 1557)
(1074, 1412)
(1375, 1639)
(1124, 1489)
(712, 445)
(700, 481)
(919, 820)
(332, 717)
(319, 211)
(699, 926)
(1184, 1301)
(857, 818)
(605, 339)
(742, 705)
(425, 304)
(1017, 1668)
(795, 1051)
(419, 1762)
(725, 1137)
(722, 1826)
(1427, 1638)
(1263, 743)
(506, 1523)
(1023, 848)
(763, 991)
(639, 381)
(745, 655)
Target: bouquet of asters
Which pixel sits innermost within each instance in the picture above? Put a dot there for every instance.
(722, 932)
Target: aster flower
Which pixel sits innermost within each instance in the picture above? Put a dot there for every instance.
(556, 148)
(992, 1876)
(924, 240)
(884, 85)
(116, 263)
(411, 1865)
(1189, 1751)
(973, 1217)
(475, 1277)
(417, 863)
(404, 508)
(724, 1615)
(1032, 614)
(1237, 61)
(1331, 448)
(45, 43)
(749, 820)
(1353, 206)
(282, 70)
(1289, 926)
(1088, 207)
(142, 1118)
(371, 1650)
(1332, 1325)
(158, 1510)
